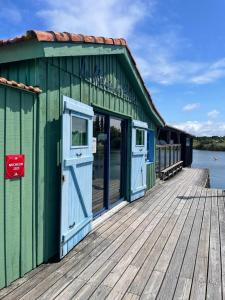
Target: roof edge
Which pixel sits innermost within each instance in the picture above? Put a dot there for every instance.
(53, 36)
(178, 129)
(22, 86)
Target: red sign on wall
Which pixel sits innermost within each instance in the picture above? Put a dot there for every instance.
(14, 166)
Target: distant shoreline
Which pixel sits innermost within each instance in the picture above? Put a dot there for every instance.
(214, 143)
(213, 150)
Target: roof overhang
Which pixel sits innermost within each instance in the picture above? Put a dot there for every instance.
(33, 49)
(175, 129)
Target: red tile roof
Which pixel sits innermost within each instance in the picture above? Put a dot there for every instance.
(52, 36)
(19, 85)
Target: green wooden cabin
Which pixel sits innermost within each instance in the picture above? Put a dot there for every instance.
(98, 72)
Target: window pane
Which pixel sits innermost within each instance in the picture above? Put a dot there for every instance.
(79, 131)
(99, 129)
(139, 137)
(116, 141)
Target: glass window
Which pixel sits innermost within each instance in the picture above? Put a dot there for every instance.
(188, 142)
(150, 146)
(140, 137)
(98, 179)
(79, 131)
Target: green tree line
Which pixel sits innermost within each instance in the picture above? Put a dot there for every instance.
(214, 143)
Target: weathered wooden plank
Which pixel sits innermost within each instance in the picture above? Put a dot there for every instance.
(164, 259)
(167, 253)
(132, 250)
(221, 199)
(183, 260)
(122, 285)
(151, 289)
(115, 245)
(119, 272)
(101, 293)
(199, 280)
(71, 290)
(183, 289)
(144, 273)
(214, 288)
(130, 296)
(16, 284)
(64, 282)
(124, 251)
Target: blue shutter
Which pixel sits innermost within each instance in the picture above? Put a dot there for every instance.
(138, 162)
(151, 146)
(77, 159)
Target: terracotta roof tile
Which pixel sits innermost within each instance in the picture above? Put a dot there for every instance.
(52, 36)
(75, 37)
(89, 39)
(20, 85)
(99, 40)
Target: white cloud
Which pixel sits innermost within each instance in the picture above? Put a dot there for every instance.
(159, 63)
(107, 18)
(191, 106)
(207, 128)
(158, 56)
(213, 72)
(213, 114)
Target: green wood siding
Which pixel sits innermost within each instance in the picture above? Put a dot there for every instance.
(60, 76)
(17, 197)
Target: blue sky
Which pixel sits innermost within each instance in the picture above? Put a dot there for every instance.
(178, 45)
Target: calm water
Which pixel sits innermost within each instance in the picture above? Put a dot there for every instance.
(206, 159)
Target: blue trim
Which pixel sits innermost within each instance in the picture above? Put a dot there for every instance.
(150, 146)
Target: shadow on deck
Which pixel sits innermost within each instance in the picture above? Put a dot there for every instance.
(167, 245)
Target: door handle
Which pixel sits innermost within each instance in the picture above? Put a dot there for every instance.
(71, 226)
(63, 178)
(78, 154)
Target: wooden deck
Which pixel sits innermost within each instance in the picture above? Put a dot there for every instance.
(168, 245)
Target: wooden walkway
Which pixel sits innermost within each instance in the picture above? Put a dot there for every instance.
(168, 245)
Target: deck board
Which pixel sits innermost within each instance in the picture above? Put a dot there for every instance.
(168, 245)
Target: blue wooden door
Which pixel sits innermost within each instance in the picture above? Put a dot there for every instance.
(77, 160)
(138, 160)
